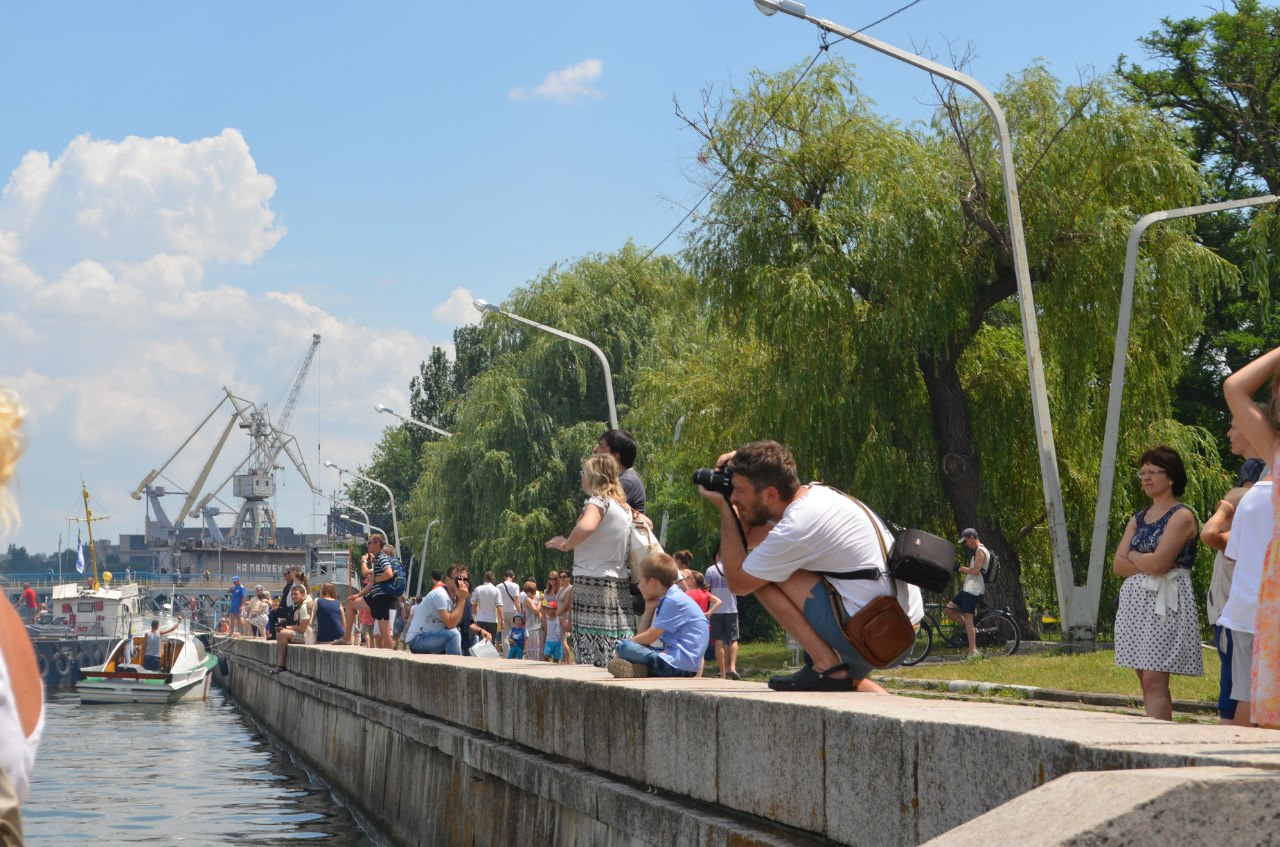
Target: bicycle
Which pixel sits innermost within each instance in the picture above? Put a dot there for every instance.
(996, 631)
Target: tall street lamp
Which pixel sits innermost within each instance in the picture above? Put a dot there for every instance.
(425, 542)
(1054, 511)
(485, 306)
(1091, 592)
(395, 522)
(368, 527)
(414, 421)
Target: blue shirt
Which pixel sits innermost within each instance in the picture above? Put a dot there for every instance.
(685, 631)
(380, 565)
(237, 598)
(517, 635)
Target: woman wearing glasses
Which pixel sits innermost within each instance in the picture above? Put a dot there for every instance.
(1157, 626)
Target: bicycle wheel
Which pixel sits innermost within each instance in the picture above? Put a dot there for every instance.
(919, 650)
(997, 634)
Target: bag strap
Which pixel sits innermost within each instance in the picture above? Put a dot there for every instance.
(861, 573)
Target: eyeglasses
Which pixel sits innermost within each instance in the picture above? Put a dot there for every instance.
(1144, 473)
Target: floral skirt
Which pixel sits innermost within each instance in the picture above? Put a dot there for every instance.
(600, 618)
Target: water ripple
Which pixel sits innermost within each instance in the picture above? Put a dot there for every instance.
(191, 773)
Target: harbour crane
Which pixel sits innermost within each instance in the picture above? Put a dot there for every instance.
(255, 523)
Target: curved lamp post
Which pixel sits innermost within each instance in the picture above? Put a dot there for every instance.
(395, 522)
(414, 421)
(485, 306)
(1091, 592)
(1054, 511)
(425, 542)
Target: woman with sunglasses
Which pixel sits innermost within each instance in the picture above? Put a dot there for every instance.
(1157, 626)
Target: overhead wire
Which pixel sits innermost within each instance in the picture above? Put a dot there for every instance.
(825, 46)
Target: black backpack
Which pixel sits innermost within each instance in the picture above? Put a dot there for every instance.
(991, 568)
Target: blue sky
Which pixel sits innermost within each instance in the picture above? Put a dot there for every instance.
(346, 169)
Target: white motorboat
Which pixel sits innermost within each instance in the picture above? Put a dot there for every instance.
(184, 670)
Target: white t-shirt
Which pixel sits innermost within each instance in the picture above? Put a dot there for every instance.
(826, 531)
(719, 587)
(487, 600)
(973, 582)
(426, 615)
(603, 553)
(17, 749)
(511, 597)
(1251, 530)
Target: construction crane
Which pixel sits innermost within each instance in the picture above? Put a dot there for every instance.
(255, 523)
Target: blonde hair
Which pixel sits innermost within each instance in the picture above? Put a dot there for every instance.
(12, 443)
(602, 472)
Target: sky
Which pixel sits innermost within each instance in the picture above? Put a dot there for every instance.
(192, 189)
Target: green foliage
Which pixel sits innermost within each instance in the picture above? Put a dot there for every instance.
(536, 407)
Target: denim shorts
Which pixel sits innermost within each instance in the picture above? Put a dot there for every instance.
(822, 617)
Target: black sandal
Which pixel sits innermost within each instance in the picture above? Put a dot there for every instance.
(277, 670)
(808, 679)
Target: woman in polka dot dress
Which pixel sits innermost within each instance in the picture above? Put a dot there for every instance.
(1157, 625)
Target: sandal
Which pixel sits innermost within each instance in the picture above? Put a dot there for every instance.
(277, 669)
(808, 679)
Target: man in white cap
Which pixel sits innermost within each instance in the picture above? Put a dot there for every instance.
(961, 607)
(234, 617)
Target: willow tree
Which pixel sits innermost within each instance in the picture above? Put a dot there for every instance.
(508, 480)
(871, 264)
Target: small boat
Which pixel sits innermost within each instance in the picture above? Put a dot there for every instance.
(184, 671)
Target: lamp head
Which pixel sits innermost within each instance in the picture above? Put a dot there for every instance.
(770, 7)
(329, 464)
(484, 306)
(381, 408)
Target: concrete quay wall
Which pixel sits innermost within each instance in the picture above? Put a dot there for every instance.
(459, 751)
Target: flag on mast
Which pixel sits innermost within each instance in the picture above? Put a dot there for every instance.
(79, 554)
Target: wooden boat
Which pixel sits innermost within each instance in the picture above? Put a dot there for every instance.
(184, 671)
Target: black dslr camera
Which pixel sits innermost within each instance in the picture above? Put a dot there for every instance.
(714, 480)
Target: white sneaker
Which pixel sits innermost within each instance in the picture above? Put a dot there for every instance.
(623, 669)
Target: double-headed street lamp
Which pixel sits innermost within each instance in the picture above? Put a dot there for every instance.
(395, 522)
(368, 527)
(485, 306)
(1055, 513)
(414, 421)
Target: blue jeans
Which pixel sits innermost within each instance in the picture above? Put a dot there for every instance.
(642, 654)
(445, 641)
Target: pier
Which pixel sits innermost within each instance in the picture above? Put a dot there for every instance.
(446, 751)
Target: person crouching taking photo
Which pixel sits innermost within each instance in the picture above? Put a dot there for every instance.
(669, 614)
(816, 530)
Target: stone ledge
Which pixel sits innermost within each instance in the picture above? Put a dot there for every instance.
(838, 766)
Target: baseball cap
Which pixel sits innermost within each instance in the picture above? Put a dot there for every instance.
(969, 533)
(235, 579)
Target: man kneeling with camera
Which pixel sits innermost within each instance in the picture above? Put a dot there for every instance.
(817, 530)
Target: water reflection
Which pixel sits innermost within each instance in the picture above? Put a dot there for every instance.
(195, 773)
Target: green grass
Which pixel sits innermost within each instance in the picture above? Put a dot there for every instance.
(1095, 673)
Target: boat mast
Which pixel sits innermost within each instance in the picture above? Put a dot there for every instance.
(89, 519)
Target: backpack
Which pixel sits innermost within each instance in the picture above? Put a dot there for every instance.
(991, 568)
(399, 583)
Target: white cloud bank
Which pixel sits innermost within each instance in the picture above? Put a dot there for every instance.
(119, 344)
(566, 85)
(458, 310)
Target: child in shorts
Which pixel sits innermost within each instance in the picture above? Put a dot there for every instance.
(515, 638)
(553, 649)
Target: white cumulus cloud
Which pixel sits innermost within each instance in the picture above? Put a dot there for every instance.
(458, 310)
(566, 85)
(119, 335)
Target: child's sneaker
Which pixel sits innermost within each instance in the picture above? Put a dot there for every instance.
(623, 669)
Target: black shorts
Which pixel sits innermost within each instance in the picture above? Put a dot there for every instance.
(966, 602)
(724, 626)
(380, 606)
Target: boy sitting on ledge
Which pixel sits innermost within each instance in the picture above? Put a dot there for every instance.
(669, 614)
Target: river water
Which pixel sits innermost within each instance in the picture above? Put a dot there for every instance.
(198, 773)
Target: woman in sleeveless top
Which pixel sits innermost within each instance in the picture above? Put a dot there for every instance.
(600, 612)
(1157, 625)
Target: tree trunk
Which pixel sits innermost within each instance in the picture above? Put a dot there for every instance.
(961, 475)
